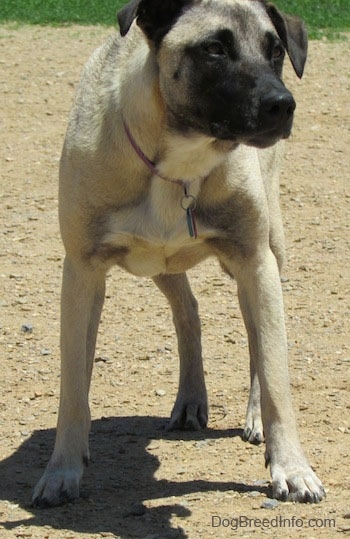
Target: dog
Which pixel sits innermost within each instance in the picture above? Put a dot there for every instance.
(171, 156)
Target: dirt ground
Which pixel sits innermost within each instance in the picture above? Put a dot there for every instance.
(144, 482)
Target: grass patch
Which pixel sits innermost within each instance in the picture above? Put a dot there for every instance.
(323, 17)
(329, 18)
(60, 12)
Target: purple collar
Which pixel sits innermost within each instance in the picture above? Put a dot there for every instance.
(150, 164)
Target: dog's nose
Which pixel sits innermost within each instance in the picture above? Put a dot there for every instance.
(276, 109)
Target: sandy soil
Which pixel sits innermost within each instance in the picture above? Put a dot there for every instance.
(142, 481)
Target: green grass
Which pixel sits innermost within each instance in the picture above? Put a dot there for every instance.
(327, 18)
(323, 17)
(60, 12)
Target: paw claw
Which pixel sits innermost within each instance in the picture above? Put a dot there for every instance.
(302, 486)
(57, 486)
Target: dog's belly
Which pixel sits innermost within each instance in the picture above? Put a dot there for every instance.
(148, 258)
(152, 239)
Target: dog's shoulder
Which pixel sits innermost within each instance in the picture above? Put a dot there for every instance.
(113, 57)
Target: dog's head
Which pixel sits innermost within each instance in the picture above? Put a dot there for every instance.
(220, 65)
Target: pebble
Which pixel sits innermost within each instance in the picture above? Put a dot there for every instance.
(27, 328)
(136, 510)
(269, 504)
(102, 359)
(160, 392)
(261, 482)
(146, 357)
(254, 493)
(201, 444)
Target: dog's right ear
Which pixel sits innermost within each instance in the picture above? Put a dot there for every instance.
(293, 34)
(154, 17)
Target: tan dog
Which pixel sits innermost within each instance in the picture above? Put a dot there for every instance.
(171, 156)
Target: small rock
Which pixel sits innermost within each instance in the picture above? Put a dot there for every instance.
(160, 392)
(269, 504)
(136, 510)
(15, 276)
(347, 515)
(45, 352)
(254, 493)
(27, 328)
(201, 444)
(261, 482)
(153, 446)
(102, 359)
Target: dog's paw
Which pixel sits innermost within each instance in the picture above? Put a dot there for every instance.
(189, 416)
(57, 487)
(253, 432)
(299, 484)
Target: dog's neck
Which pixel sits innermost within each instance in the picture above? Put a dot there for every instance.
(188, 202)
(150, 164)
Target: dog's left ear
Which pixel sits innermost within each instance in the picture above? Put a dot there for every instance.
(293, 34)
(154, 17)
(126, 16)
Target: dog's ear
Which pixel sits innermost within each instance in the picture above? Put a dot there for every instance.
(154, 17)
(126, 16)
(293, 34)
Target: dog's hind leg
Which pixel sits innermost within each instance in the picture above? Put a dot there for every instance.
(191, 406)
(82, 300)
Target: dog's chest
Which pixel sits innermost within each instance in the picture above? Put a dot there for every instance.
(155, 236)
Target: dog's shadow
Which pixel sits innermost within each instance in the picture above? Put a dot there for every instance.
(119, 480)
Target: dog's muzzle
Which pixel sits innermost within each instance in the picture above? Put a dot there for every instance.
(260, 119)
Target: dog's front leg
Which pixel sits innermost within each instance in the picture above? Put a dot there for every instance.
(81, 304)
(191, 407)
(261, 302)
(253, 430)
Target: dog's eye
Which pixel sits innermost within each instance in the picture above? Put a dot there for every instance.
(277, 52)
(215, 49)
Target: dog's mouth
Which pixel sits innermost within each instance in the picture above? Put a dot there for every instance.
(266, 139)
(260, 138)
